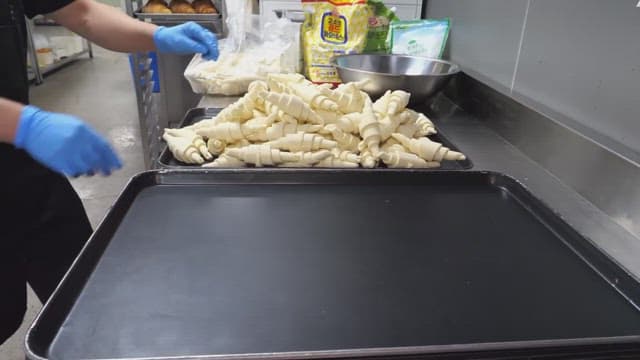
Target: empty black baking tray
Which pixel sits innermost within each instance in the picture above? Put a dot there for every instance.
(336, 263)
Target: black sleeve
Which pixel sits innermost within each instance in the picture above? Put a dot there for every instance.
(41, 7)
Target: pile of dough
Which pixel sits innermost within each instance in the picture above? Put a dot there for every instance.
(156, 7)
(181, 7)
(288, 121)
(204, 7)
(232, 73)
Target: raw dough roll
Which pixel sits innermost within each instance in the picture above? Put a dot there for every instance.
(156, 7)
(204, 7)
(181, 7)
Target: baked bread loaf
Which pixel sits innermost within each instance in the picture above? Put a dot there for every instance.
(181, 7)
(204, 7)
(156, 7)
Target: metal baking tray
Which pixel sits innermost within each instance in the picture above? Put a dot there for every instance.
(311, 263)
(210, 21)
(179, 17)
(168, 161)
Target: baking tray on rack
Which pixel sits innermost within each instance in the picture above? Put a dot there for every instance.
(168, 161)
(178, 17)
(332, 263)
(212, 22)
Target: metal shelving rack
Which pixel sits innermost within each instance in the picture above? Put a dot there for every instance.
(143, 83)
(36, 72)
(157, 111)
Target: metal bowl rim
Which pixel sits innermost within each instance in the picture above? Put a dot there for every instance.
(455, 68)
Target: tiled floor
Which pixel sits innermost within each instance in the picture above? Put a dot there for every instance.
(100, 91)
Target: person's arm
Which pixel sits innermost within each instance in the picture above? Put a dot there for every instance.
(114, 30)
(10, 116)
(106, 26)
(61, 142)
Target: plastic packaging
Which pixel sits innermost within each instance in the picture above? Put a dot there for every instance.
(252, 50)
(379, 22)
(332, 27)
(426, 38)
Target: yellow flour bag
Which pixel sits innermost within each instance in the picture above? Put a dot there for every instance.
(332, 27)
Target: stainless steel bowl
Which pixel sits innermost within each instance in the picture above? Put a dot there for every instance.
(422, 77)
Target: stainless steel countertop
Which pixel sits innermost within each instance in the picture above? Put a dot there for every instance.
(490, 152)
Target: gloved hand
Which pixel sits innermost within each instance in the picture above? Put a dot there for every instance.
(64, 143)
(187, 38)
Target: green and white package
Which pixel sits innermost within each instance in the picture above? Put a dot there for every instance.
(381, 17)
(426, 37)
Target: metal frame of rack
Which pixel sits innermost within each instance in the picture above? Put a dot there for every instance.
(36, 72)
(143, 84)
(155, 111)
(147, 113)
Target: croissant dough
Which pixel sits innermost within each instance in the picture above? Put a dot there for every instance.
(177, 139)
(290, 122)
(204, 7)
(225, 161)
(156, 7)
(427, 149)
(348, 97)
(181, 7)
(260, 155)
(216, 146)
(346, 140)
(401, 159)
(183, 149)
(303, 142)
(370, 129)
(293, 105)
(313, 96)
(333, 162)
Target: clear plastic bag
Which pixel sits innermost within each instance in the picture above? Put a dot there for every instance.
(250, 52)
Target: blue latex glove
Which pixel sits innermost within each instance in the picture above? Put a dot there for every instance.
(64, 143)
(187, 38)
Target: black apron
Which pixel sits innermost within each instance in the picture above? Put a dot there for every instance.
(43, 225)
